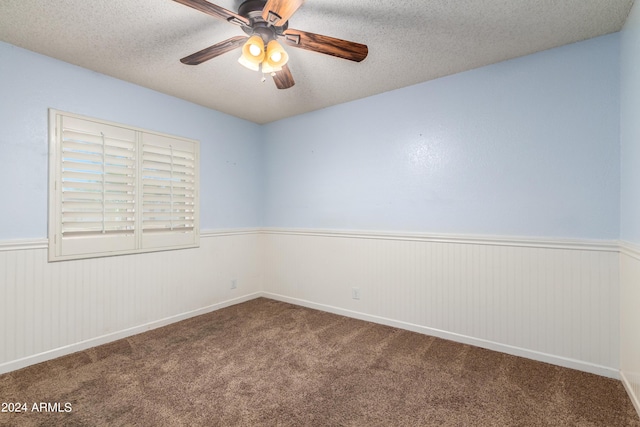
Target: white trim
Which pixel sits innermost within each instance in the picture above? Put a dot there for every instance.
(21, 245)
(629, 249)
(228, 232)
(28, 244)
(515, 351)
(531, 242)
(634, 398)
(104, 339)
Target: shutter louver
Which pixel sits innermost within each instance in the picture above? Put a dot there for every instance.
(98, 183)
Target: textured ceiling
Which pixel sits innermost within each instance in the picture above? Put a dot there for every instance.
(410, 41)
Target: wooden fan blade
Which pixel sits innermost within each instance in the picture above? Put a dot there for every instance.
(215, 50)
(216, 11)
(277, 12)
(327, 45)
(283, 78)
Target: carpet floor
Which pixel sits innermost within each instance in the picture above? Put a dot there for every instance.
(269, 363)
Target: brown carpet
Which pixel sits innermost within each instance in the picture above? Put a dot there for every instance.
(265, 362)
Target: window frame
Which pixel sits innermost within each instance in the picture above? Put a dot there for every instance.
(130, 232)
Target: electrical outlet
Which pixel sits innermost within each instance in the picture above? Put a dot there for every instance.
(234, 283)
(355, 293)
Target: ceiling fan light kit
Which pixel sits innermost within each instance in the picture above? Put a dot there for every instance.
(253, 49)
(252, 53)
(264, 21)
(255, 58)
(276, 55)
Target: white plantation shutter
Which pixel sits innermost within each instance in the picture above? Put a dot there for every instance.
(168, 191)
(117, 190)
(96, 187)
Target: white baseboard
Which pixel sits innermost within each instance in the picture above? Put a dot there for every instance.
(635, 399)
(104, 339)
(515, 351)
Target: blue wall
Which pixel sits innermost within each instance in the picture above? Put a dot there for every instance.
(525, 147)
(230, 149)
(630, 129)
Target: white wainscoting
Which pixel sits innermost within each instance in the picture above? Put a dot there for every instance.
(549, 300)
(51, 309)
(630, 321)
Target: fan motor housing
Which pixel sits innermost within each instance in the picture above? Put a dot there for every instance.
(252, 10)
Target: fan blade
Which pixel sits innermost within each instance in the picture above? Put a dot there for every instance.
(216, 11)
(327, 45)
(215, 50)
(283, 78)
(277, 12)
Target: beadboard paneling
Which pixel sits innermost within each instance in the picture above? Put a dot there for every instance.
(554, 301)
(630, 321)
(51, 309)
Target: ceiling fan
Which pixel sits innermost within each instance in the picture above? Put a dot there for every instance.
(265, 21)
